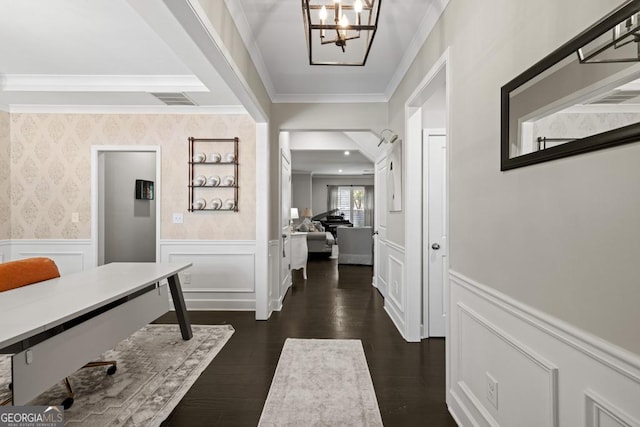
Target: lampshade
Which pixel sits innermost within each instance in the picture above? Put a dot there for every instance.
(307, 213)
(294, 213)
(340, 32)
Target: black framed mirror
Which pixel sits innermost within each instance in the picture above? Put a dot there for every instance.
(582, 97)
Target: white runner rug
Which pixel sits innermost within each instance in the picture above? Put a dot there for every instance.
(321, 383)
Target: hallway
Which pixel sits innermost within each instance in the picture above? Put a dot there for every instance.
(409, 378)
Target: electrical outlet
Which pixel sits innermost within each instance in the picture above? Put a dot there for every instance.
(178, 218)
(75, 217)
(187, 278)
(492, 390)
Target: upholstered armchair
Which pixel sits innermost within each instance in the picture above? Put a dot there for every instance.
(355, 245)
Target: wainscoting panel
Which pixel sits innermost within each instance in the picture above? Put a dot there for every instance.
(394, 303)
(548, 373)
(71, 256)
(5, 250)
(222, 276)
(275, 298)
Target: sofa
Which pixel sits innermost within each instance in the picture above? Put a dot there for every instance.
(320, 242)
(355, 245)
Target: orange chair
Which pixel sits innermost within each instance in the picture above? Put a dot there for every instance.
(15, 274)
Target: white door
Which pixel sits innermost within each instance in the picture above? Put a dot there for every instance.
(380, 227)
(285, 192)
(436, 248)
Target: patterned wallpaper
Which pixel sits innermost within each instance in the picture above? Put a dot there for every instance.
(51, 171)
(580, 125)
(5, 182)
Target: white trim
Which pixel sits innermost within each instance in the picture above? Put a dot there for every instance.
(126, 109)
(246, 33)
(429, 21)
(596, 405)
(190, 242)
(606, 353)
(601, 108)
(95, 151)
(102, 83)
(263, 283)
(459, 411)
(191, 15)
(396, 247)
(219, 304)
(5, 108)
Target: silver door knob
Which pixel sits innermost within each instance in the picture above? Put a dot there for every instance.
(435, 246)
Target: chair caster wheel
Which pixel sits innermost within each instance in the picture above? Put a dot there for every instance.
(66, 404)
(112, 369)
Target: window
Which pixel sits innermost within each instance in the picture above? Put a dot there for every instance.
(350, 204)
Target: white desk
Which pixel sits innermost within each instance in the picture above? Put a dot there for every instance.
(299, 252)
(56, 326)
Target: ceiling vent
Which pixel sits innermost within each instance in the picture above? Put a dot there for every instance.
(174, 98)
(617, 97)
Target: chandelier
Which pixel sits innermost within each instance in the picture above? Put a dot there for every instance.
(340, 32)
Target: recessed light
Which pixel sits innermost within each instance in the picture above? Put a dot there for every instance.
(340, 170)
(346, 153)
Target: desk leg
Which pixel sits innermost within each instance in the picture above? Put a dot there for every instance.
(181, 309)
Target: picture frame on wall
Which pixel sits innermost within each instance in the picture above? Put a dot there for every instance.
(144, 190)
(394, 178)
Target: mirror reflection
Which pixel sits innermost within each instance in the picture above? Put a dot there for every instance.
(588, 93)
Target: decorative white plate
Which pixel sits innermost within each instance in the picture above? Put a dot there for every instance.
(199, 181)
(213, 181)
(229, 204)
(229, 158)
(216, 204)
(199, 158)
(199, 204)
(228, 181)
(215, 157)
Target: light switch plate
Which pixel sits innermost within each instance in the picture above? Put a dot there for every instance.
(178, 218)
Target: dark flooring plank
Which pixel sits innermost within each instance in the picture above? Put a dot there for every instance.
(335, 302)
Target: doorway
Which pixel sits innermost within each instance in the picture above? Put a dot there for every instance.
(125, 205)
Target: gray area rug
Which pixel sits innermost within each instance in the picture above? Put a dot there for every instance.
(155, 370)
(321, 383)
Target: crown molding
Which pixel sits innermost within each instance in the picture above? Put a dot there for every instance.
(101, 83)
(345, 98)
(5, 108)
(249, 39)
(424, 29)
(127, 109)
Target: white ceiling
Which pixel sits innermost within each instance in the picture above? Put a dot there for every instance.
(274, 32)
(97, 53)
(330, 162)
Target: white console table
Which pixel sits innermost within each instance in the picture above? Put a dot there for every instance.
(299, 252)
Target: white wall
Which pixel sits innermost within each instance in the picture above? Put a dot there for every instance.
(547, 303)
(301, 191)
(319, 188)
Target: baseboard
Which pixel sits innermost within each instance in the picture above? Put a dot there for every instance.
(526, 352)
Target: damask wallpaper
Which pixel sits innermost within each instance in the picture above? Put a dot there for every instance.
(5, 187)
(51, 176)
(580, 125)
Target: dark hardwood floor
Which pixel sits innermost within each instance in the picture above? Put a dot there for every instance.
(335, 302)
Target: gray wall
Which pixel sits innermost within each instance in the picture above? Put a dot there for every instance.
(563, 236)
(319, 188)
(301, 191)
(129, 224)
